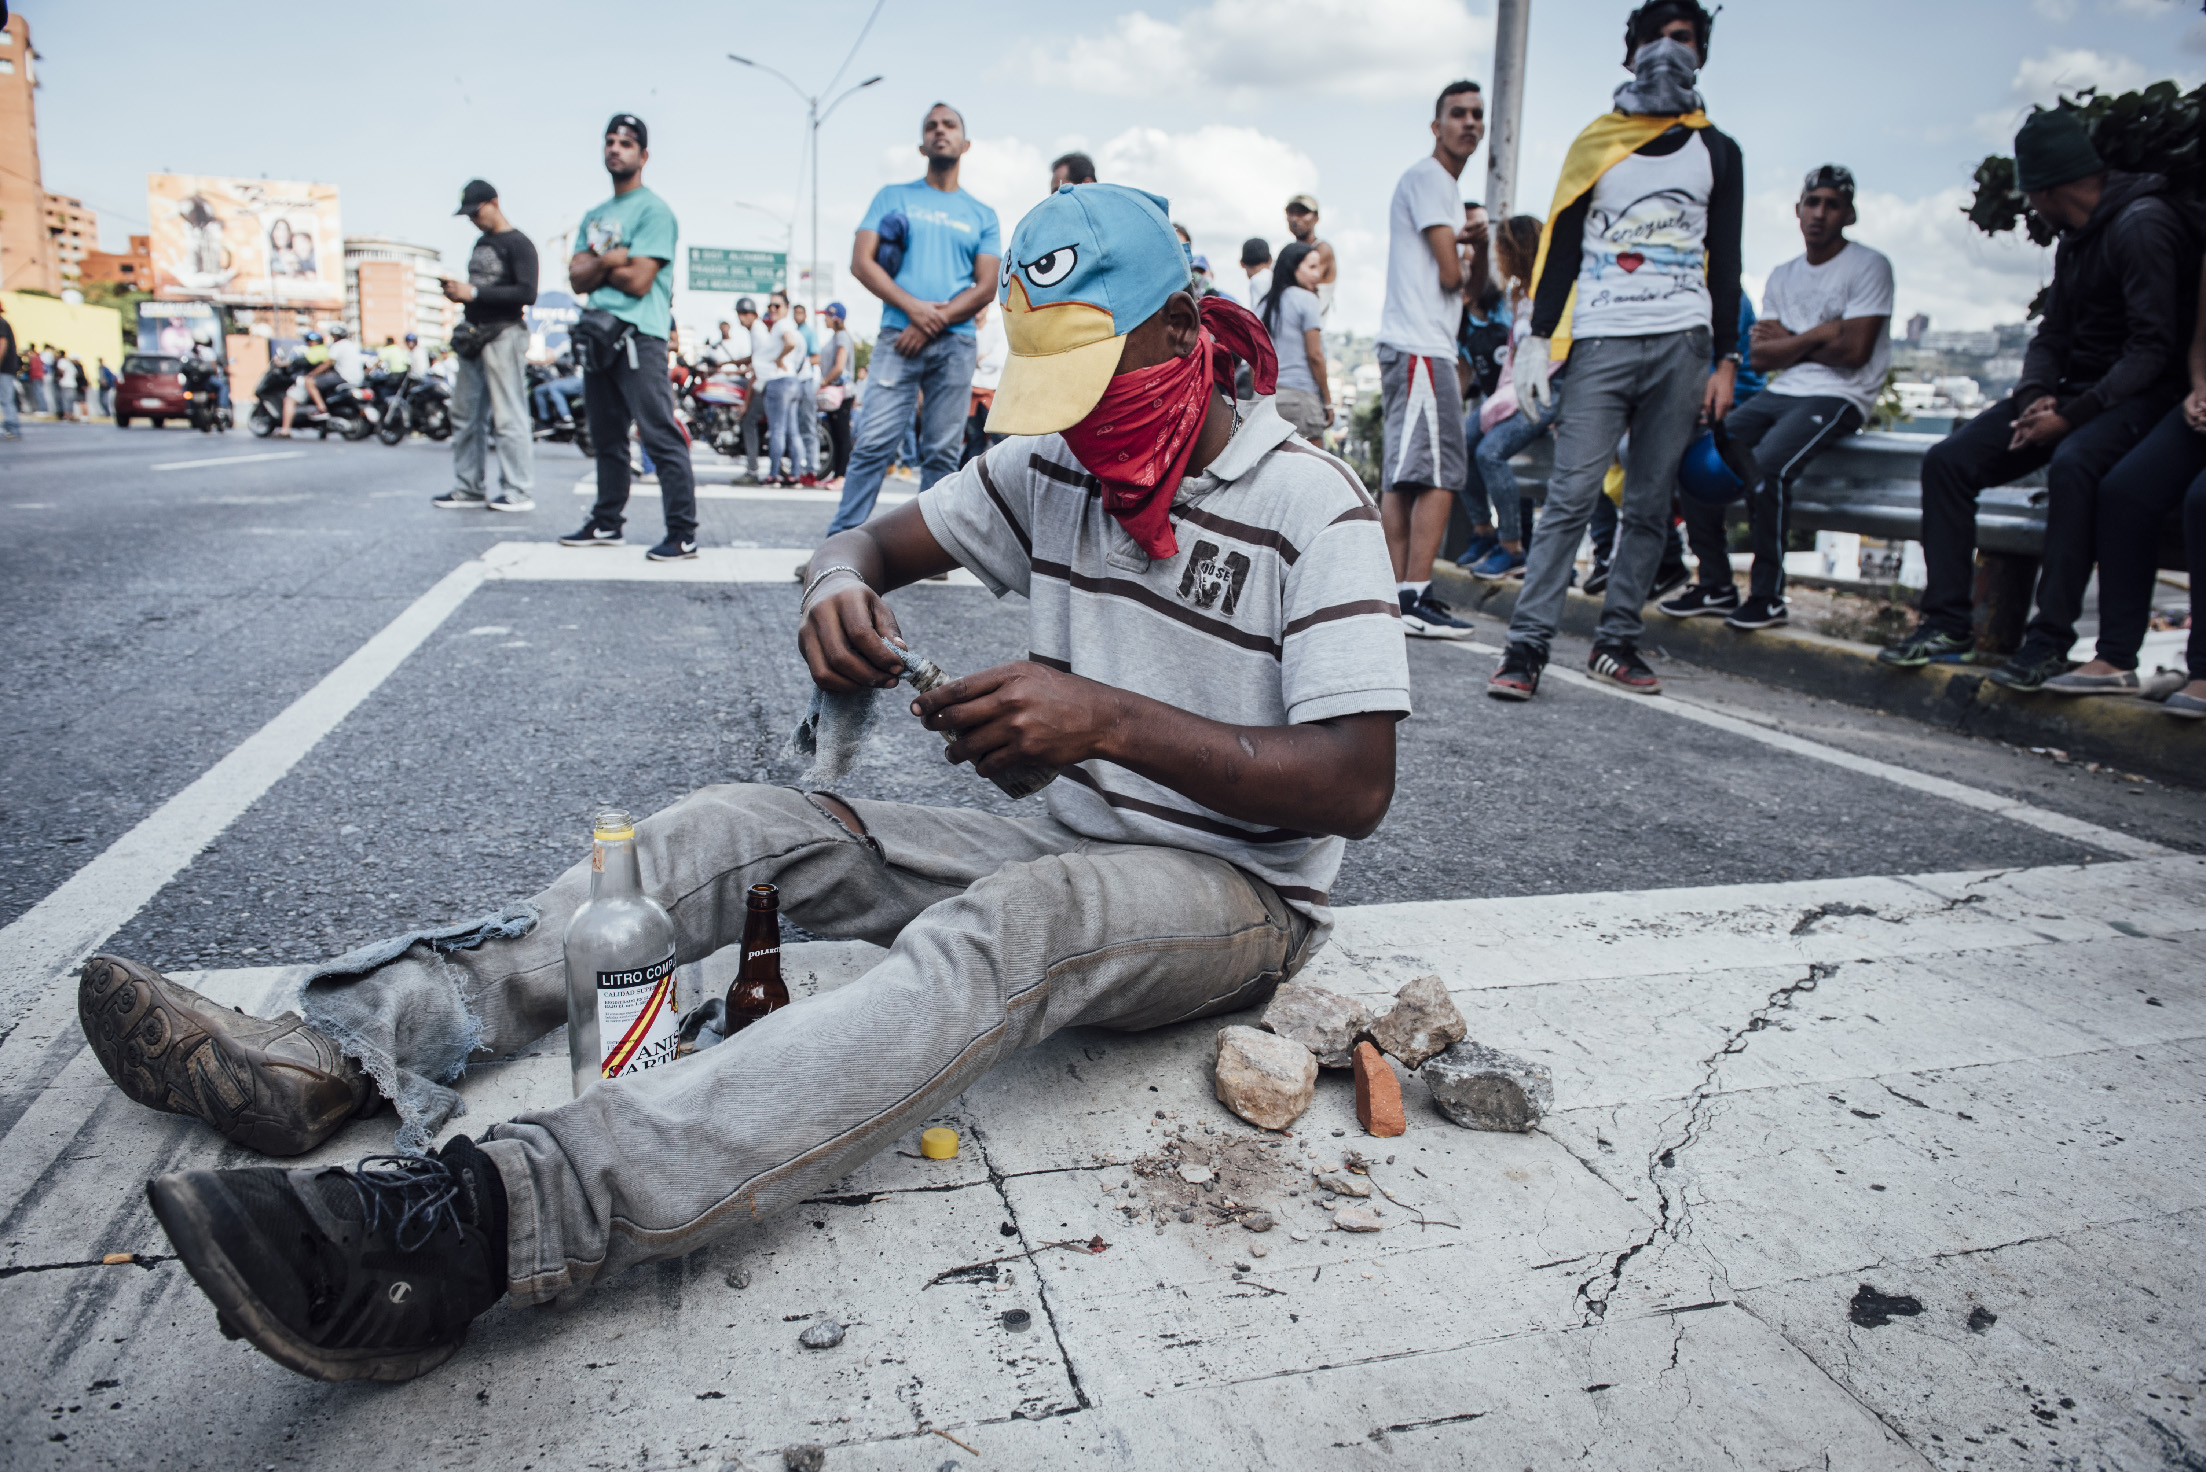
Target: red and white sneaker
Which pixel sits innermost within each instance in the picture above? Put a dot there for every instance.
(1620, 664)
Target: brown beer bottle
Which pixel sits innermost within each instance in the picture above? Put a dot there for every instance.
(757, 988)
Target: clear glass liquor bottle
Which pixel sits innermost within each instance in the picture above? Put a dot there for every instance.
(622, 1014)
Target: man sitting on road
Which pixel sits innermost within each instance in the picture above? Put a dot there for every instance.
(2105, 365)
(1825, 331)
(1216, 666)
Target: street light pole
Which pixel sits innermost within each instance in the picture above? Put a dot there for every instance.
(815, 115)
(1512, 24)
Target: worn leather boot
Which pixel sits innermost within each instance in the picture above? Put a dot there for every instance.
(276, 1086)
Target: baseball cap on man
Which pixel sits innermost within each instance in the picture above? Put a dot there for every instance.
(478, 193)
(836, 309)
(1831, 176)
(633, 124)
(1302, 204)
(1085, 267)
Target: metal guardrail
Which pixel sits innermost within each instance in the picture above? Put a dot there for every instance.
(1871, 483)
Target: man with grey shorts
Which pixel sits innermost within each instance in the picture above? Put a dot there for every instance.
(1431, 256)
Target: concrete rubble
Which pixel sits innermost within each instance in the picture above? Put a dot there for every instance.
(1324, 1021)
(1422, 1023)
(1266, 1079)
(1482, 1088)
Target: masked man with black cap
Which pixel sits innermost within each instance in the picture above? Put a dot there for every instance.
(492, 389)
(622, 273)
(1214, 661)
(2106, 363)
(1635, 292)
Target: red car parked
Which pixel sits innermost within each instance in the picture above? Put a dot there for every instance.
(152, 388)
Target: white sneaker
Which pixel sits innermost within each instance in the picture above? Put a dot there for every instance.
(510, 503)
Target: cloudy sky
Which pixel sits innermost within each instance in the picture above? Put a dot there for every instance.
(1225, 106)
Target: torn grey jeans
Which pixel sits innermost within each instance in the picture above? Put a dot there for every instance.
(1001, 931)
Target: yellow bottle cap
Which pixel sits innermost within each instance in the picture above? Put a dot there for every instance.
(938, 1144)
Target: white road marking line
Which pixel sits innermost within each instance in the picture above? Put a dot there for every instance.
(550, 562)
(229, 460)
(750, 493)
(2127, 845)
(100, 898)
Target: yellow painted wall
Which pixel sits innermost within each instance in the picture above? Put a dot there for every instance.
(87, 334)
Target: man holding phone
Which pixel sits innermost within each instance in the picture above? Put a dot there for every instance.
(492, 391)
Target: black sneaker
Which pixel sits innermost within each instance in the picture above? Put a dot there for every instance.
(1429, 618)
(1669, 577)
(1620, 664)
(455, 501)
(372, 1273)
(2031, 666)
(1518, 677)
(1713, 600)
(1921, 647)
(593, 535)
(1759, 613)
(1597, 581)
(672, 549)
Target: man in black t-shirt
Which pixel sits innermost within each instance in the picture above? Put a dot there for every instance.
(491, 394)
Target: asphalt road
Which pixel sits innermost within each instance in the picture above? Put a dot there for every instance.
(161, 616)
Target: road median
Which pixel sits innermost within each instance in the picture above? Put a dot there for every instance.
(2133, 735)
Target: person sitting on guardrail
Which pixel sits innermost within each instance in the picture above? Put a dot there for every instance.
(1825, 333)
(2166, 471)
(2103, 369)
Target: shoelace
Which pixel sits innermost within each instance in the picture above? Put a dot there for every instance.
(415, 1192)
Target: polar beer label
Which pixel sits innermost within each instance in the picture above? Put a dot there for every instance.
(636, 1021)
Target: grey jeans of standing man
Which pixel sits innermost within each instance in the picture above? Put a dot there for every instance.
(1001, 931)
(492, 393)
(1650, 386)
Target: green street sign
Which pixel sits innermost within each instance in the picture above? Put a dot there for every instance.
(714, 269)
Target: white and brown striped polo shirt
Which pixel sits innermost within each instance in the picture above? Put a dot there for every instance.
(1279, 609)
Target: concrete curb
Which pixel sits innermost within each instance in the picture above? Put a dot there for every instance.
(2134, 735)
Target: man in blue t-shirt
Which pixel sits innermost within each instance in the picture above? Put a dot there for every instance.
(622, 266)
(929, 291)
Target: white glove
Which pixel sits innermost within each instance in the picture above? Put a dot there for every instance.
(1529, 371)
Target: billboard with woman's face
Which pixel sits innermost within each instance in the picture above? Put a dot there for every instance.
(249, 242)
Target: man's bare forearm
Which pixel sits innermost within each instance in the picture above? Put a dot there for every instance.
(1329, 777)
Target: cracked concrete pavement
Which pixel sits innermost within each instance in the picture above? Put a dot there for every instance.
(1875, 1109)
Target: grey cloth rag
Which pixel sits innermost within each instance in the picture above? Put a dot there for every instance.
(414, 1042)
(834, 728)
(1662, 81)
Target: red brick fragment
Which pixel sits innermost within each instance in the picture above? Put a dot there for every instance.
(1378, 1094)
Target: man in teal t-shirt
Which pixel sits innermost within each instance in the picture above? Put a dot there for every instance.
(945, 247)
(623, 265)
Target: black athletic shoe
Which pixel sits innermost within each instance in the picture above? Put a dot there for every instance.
(593, 535)
(459, 501)
(1712, 600)
(1597, 581)
(672, 550)
(1429, 618)
(1759, 613)
(1921, 647)
(1518, 677)
(372, 1273)
(1620, 664)
(2031, 666)
(1669, 577)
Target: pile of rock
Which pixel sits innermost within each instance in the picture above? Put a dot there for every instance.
(1268, 1074)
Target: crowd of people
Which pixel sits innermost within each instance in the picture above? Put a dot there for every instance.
(40, 378)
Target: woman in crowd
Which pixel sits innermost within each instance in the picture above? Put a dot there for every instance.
(2166, 470)
(1502, 429)
(1290, 312)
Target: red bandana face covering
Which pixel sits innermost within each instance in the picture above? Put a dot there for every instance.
(1138, 437)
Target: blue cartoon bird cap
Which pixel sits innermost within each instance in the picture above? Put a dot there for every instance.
(1085, 267)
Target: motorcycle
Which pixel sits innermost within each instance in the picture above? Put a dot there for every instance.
(207, 412)
(713, 408)
(411, 401)
(350, 412)
(558, 431)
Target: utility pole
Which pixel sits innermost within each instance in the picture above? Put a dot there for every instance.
(1505, 116)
